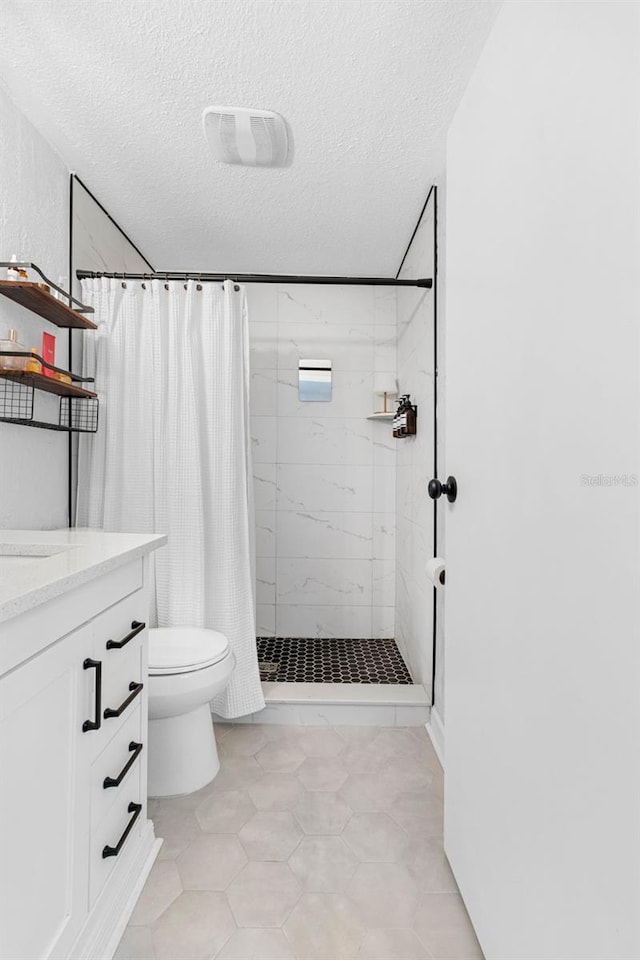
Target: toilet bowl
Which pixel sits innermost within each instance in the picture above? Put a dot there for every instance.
(188, 667)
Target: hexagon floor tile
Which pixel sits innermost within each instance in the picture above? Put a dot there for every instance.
(385, 894)
(375, 836)
(163, 886)
(323, 864)
(196, 925)
(322, 813)
(211, 862)
(280, 756)
(312, 843)
(225, 812)
(322, 773)
(323, 926)
(244, 740)
(270, 836)
(443, 926)
(257, 943)
(263, 894)
(275, 791)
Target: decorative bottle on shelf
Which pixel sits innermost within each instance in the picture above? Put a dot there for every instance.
(410, 419)
(33, 365)
(16, 272)
(397, 420)
(404, 422)
(48, 353)
(11, 344)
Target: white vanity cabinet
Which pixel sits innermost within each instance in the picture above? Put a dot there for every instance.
(75, 841)
(43, 788)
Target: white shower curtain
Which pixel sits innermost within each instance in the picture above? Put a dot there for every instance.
(172, 453)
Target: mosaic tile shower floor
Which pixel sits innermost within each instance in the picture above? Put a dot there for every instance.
(330, 660)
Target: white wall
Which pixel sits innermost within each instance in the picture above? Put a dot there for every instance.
(98, 244)
(325, 475)
(34, 214)
(414, 593)
(34, 224)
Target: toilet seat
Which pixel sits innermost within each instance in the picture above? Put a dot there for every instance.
(175, 650)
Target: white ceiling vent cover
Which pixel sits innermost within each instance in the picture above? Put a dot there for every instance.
(250, 138)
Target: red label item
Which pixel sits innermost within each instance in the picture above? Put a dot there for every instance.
(48, 352)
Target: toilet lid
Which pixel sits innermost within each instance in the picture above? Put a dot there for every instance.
(182, 649)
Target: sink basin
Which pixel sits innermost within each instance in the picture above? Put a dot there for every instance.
(15, 556)
(14, 560)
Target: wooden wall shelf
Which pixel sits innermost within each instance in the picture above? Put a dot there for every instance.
(48, 384)
(37, 298)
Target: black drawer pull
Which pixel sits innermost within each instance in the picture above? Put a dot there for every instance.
(136, 627)
(95, 724)
(108, 851)
(136, 750)
(135, 688)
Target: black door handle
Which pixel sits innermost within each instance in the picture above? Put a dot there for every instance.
(136, 750)
(94, 724)
(136, 627)
(135, 688)
(450, 489)
(108, 851)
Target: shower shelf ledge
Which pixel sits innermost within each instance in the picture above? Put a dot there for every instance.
(381, 416)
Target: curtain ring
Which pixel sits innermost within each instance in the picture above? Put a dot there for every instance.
(199, 284)
(123, 282)
(236, 287)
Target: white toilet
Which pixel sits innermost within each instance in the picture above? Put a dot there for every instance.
(188, 667)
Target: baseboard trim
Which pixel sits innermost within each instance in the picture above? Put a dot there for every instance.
(435, 729)
(105, 926)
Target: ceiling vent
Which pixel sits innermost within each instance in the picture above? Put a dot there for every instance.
(249, 138)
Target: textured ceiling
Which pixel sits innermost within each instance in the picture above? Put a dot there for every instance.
(368, 88)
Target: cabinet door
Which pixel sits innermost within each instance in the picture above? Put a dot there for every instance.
(44, 794)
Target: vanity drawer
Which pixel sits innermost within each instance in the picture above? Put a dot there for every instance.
(117, 766)
(115, 836)
(119, 637)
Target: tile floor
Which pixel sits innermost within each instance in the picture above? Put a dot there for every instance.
(313, 843)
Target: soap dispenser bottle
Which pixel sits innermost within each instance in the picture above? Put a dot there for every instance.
(410, 419)
(397, 420)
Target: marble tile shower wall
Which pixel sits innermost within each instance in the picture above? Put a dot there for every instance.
(324, 474)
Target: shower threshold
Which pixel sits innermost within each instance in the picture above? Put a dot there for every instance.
(331, 660)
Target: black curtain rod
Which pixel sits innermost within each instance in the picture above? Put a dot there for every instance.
(259, 278)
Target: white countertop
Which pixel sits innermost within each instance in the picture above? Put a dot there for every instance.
(38, 565)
